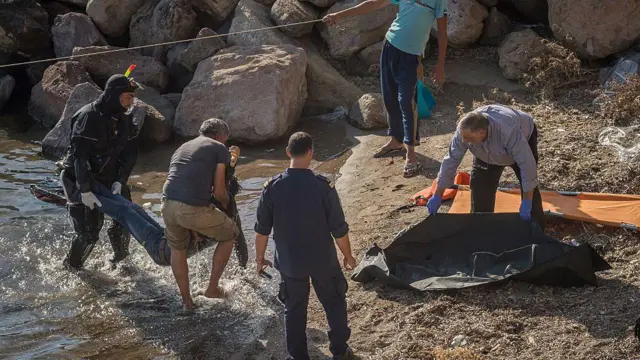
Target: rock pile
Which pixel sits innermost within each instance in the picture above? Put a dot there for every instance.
(262, 82)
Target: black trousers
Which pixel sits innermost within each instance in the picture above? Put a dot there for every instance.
(87, 224)
(486, 177)
(331, 289)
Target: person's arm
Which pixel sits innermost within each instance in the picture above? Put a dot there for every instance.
(339, 227)
(220, 185)
(518, 148)
(450, 163)
(263, 226)
(441, 21)
(363, 8)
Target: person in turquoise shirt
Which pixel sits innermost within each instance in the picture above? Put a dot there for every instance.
(400, 66)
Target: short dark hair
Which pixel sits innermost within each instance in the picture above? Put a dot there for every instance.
(214, 127)
(473, 122)
(299, 144)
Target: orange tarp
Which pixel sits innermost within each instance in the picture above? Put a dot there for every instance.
(606, 209)
(421, 197)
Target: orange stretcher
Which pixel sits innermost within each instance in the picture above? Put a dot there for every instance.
(421, 197)
(607, 209)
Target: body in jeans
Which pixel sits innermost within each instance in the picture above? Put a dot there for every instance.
(497, 136)
(198, 167)
(400, 66)
(304, 212)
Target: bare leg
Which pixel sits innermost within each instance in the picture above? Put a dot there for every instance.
(180, 270)
(220, 258)
(411, 154)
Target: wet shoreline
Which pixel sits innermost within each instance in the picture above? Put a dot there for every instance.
(131, 311)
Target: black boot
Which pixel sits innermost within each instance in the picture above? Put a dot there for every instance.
(120, 239)
(86, 224)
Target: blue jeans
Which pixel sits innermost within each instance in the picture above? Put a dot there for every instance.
(398, 80)
(130, 215)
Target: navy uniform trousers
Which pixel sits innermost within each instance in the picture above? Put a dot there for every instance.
(331, 289)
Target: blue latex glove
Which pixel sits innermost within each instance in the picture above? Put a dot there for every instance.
(525, 209)
(434, 204)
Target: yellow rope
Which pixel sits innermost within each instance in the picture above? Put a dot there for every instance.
(73, 57)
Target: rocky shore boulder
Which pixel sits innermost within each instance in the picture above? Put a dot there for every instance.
(72, 30)
(215, 10)
(369, 113)
(160, 21)
(322, 3)
(160, 114)
(350, 35)
(173, 98)
(250, 15)
(496, 27)
(285, 12)
(371, 55)
(149, 71)
(49, 97)
(232, 86)
(55, 143)
(28, 23)
(199, 50)
(327, 88)
(595, 29)
(8, 45)
(517, 50)
(7, 83)
(113, 17)
(465, 21)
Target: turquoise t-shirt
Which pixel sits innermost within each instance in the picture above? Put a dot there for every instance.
(410, 30)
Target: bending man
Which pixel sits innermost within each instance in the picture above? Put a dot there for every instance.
(401, 67)
(102, 152)
(497, 136)
(197, 167)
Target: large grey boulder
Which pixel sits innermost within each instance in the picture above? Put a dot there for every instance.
(199, 50)
(28, 23)
(517, 50)
(55, 143)
(465, 21)
(216, 10)
(160, 114)
(496, 27)
(72, 30)
(160, 21)
(149, 71)
(371, 55)
(350, 35)
(231, 86)
(595, 29)
(369, 112)
(322, 3)
(49, 97)
(286, 12)
(113, 17)
(327, 88)
(8, 45)
(7, 83)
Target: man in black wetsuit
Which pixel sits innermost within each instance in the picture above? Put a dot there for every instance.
(102, 152)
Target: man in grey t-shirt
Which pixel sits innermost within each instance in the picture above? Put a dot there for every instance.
(197, 167)
(497, 136)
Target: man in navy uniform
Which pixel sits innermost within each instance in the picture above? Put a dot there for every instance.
(304, 211)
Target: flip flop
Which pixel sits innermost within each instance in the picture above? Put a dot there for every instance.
(386, 151)
(410, 170)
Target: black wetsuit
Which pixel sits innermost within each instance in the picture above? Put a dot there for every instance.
(103, 148)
